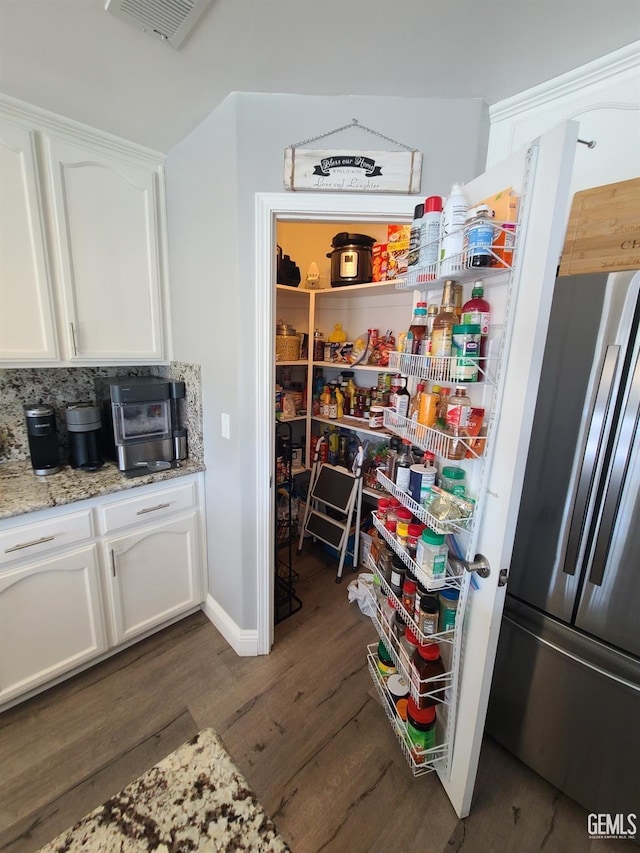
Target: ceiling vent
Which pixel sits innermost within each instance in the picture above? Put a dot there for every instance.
(167, 20)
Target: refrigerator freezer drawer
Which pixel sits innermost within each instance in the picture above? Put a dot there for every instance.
(573, 724)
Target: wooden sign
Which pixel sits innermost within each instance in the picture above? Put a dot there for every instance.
(348, 170)
(603, 234)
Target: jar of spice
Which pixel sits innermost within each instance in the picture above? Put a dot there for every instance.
(398, 572)
(414, 533)
(384, 563)
(386, 666)
(383, 506)
(409, 645)
(392, 508)
(428, 614)
(448, 608)
(409, 595)
(431, 556)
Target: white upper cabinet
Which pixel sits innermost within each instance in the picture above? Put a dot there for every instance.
(83, 238)
(27, 320)
(107, 253)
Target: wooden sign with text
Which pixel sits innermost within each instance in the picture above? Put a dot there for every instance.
(352, 171)
(603, 234)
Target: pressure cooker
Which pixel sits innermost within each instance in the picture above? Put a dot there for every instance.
(350, 259)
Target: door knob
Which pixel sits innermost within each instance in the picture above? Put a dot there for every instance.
(479, 565)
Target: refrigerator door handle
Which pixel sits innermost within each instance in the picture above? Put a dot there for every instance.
(595, 436)
(618, 469)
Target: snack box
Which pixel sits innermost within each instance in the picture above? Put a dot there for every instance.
(379, 262)
(398, 246)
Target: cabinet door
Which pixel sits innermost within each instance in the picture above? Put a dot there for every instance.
(152, 575)
(106, 226)
(27, 323)
(50, 620)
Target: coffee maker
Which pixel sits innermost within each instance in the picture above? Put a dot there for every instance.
(138, 415)
(43, 438)
(83, 425)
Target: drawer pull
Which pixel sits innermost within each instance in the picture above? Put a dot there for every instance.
(152, 508)
(30, 544)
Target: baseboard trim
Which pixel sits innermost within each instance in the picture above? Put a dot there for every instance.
(243, 642)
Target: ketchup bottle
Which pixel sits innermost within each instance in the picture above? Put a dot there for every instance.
(477, 310)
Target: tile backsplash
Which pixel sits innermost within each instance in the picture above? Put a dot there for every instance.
(61, 385)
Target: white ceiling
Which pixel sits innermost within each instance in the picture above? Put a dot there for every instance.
(72, 57)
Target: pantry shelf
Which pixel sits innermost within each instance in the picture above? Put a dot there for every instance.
(440, 369)
(424, 437)
(462, 525)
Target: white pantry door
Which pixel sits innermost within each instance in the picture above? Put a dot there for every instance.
(543, 170)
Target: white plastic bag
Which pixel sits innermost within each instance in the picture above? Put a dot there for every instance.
(361, 589)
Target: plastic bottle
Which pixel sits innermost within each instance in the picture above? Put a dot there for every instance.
(318, 345)
(421, 730)
(431, 556)
(458, 411)
(441, 408)
(333, 405)
(414, 235)
(444, 322)
(454, 212)
(430, 236)
(478, 311)
(418, 327)
(432, 313)
(478, 236)
(429, 406)
(426, 663)
(392, 455)
(403, 466)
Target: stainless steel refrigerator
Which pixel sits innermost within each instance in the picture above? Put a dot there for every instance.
(566, 691)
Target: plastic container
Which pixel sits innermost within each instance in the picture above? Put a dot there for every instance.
(448, 600)
(426, 667)
(421, 729)
(454, 212)
(376, 417)
(478, 236)
(386, 666)
(477, 311)
(465, 347)
(452, 480)
(431, 556)
(421, 478)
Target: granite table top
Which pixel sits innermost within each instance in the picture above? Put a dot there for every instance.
(194, 799)
(22, 491)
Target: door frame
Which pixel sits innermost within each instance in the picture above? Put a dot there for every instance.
(297, 207)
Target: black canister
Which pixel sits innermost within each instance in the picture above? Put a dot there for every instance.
(351, 259)
(83, 424)
(43, 438)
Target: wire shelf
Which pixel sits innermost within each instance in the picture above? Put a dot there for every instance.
(462, 525)
(420, 761)
(439, 368)
(426, 438)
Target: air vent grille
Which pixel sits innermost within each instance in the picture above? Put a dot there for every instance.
(168, 20)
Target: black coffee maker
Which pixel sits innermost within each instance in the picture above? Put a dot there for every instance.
(43, 438)
(83, 424)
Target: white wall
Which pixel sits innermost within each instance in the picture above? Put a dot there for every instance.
(212, 178)
(603, 96)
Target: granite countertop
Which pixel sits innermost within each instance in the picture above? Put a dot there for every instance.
(22, 491)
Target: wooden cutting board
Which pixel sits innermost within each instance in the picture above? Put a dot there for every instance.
(603, 234)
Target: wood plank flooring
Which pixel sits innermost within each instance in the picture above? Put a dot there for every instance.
(303, 724)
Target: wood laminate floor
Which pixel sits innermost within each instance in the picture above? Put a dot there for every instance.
(303, 724)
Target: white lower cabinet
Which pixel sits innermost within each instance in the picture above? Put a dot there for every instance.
(51, 619)
(76, 584)
(153, 575)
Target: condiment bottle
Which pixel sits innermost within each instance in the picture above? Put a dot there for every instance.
(418, 327)
(403, 466)
(444, 322)
(457, 418)
(478, 311)
(401, 398)
(478, 236)
(414, 405)
(421, 730)
(426, 667)
(427, 412)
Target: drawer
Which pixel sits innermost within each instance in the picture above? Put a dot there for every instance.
(29, 540)
(148, 507)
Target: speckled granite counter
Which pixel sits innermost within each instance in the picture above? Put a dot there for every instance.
(21, 491)
(194, 799)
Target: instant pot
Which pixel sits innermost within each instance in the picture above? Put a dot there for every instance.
(350, 259)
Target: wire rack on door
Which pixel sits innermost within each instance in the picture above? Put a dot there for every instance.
(285, 600)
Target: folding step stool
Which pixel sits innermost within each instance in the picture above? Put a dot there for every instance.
(336, 488)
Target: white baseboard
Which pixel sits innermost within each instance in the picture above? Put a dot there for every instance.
(243, 642)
